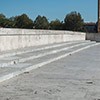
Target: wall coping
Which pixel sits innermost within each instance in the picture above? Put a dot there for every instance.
(13, 31)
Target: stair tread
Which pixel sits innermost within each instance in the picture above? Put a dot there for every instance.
(13, 69)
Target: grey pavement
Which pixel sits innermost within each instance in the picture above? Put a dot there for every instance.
(70, 71)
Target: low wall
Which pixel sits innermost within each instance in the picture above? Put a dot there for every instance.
(19, 38)
(93, 37)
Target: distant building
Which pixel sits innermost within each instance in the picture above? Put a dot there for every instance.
(90, 27)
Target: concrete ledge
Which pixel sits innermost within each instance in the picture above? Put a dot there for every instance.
(93, 37)
(22, 59)
(30, 67)
(19, 38)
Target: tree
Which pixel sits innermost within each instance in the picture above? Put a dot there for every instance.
(73, 21)
(2, 16)
(23, 21)
(56, 25)
(41, 22)
(5, 22)
(2, 20)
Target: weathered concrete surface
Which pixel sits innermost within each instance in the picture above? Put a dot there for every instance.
(19, 38)
(75, 77)
(93, 37)
(31, 58)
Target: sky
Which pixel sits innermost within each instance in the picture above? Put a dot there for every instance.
(52, 9)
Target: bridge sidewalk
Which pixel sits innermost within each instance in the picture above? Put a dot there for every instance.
(72, 73)
(16, 62)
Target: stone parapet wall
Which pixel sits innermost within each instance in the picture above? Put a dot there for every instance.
(19, 38)
(93, 37)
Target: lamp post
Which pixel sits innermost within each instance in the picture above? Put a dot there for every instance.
(98, 28)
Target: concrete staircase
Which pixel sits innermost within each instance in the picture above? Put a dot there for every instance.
(16, 62)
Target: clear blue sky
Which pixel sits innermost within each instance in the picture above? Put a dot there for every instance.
(52, 9)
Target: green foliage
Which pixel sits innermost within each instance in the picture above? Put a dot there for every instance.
(56, 25)
(41, 23)
(73, 21)
(23, 21)
(2, 16)
(7, 23)
(2, 20)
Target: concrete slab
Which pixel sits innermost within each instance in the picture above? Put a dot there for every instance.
(35, 48)
(33, 54)
(73, 77)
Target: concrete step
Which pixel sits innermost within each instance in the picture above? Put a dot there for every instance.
(29, 64)
(4, 62)
(64, 51)
(35, 48)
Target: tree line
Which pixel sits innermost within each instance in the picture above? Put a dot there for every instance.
(72, 21)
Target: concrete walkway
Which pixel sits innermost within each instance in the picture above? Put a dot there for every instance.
(64, 71)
